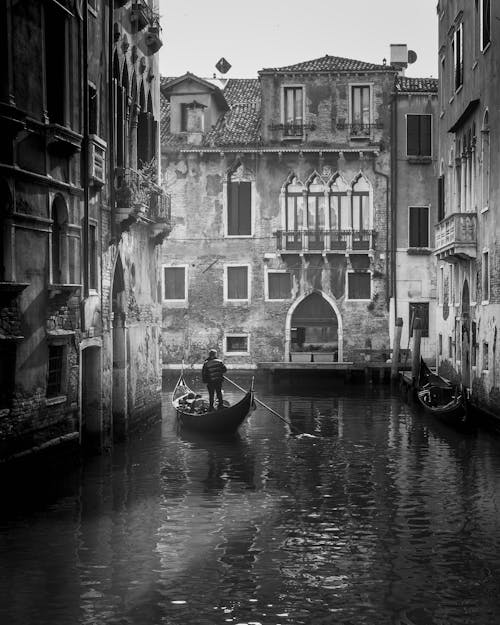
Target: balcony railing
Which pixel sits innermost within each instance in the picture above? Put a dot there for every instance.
(319, 241)
(142, 14)
(456, 237)
(292, 129)
(358, 130)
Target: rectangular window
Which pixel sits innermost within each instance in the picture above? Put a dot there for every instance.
(486, 276)
(237, 343)
(485, 23)
(360, 109)
(474, 345)
(279, 285)
(93, 256)
(54, 379)
(93, 120)
(458, 57)
(440, 344)
(239, 208)
(486, 356)
(359, 285)
(419, 310)
(293, 111)
(418, 135)
(237, 283)
(441, 198)
(450, 347)
(174, 283)
(192, 117)
(418, 226)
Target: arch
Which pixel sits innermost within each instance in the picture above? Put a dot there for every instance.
(119, 389)
(58, 246)
(133, 88)
(125, 79)
(338, 184)
(297, 306)
(315, 183)
(142, 97)
(361, 203)
(465, 334)
(150, 103)
(91, 406)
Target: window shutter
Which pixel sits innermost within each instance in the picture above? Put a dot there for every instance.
(440, 198)
(142, 138)
(232, 207)
(359, 285)
(245, 208)
(423, 226)
(237, 282)
(412, 135)
(174, 282)
(425, 135)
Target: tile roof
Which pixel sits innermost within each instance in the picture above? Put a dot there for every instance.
(405, 84)
(329, 63)
(240, 125)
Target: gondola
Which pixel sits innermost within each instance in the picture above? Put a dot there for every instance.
(446, 401)
(224, 420)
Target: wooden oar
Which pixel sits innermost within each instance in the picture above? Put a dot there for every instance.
(276, 414)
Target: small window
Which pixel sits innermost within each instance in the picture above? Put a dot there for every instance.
(174, 283)
(458, 57)
(239, 208)
(419, 226)
(440, 343)
(450, 347)
(486, 276)
(360, 110)
(486, 356)
(93, 256)
(279, 285)
(419, 310)
(293, 114)
(441, 198)
(418, 135)
(192, 117)
(55, 372)
(359, 285)
(485, 24)
(237, 344)
(237, 283)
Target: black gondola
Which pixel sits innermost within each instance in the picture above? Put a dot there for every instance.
(224, 420)
(441, 398)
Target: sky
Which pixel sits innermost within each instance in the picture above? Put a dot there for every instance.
(256, 34)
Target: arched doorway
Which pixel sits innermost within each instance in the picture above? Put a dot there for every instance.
(119, 392)
(91, 424)
(466, 334)
(314, 324)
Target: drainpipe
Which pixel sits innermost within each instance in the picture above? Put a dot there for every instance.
(85, 150)
(111, 122)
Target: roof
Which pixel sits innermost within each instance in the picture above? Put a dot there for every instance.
(329, 63)
(404, 84)
(240, 125)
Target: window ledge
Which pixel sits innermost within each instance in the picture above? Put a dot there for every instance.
(485, 209)
(419, 160)
(57, 400)
(459, 89)
(486, 48)
(419, 251)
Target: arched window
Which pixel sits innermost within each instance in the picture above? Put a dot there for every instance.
(59, 253)
(485, 157)
(239, 202)
(361, 213)
(316, 211)
(458, 176)
(339, 204)
(294, 192)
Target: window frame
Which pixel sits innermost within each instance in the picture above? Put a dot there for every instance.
(284, 89)
(184, 300)
(484, 45)
(350, 299)
(246, 300)
(425, 331)
(225, 195)
(268, 272)
(231, 335)
(355, 85)
(62, 385)
(458, 57)
(419, 206)
(431, 131)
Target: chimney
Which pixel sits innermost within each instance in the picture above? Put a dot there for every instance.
(399, 57)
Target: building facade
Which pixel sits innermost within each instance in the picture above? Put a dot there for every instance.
(81, 226)
(282, 244)
(468, 228)
(414, 193)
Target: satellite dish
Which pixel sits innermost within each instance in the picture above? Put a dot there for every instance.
(223, 66)
(412, 56)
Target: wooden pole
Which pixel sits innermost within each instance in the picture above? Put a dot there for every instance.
(415, 352)
(396, 349)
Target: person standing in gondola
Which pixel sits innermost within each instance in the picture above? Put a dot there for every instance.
(212, 375)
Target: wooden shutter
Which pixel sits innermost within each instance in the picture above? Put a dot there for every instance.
(244, 208)
(425, 135)
(237, 282)
(279, 285)
(412, 135)
(142, 138)
(419, 226)
(359, 285)
(174, 281)
(232, 207)
(441, 206)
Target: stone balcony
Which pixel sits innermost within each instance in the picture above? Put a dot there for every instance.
(325, 241)
(456, 237)
(139, 200)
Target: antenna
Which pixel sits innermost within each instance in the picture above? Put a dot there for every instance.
(412, 56)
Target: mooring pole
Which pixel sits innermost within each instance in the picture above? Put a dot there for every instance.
(415, 352)
(396, 349)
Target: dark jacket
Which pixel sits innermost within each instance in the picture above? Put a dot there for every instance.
(213, 371)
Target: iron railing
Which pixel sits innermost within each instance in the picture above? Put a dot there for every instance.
(335, 241)
(358, 129)
(292, 129)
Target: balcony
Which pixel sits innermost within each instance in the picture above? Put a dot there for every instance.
(62, 140)
(292, 130)
(141, 14)
(358, 130)
(456, 237)
(325, 241)
(139, 199)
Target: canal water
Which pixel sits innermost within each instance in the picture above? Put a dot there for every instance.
(365, 511)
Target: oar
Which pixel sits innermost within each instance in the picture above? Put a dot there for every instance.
(276, 414)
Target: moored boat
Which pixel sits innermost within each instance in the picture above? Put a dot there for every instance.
(224, 420)
(441, 398)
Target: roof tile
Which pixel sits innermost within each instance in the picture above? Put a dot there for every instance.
(329, 63)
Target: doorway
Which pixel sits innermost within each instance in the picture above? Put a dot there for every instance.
(465, 335)
(91, 424)
(119, 392)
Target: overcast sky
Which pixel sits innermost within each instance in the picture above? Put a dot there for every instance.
(255, 34)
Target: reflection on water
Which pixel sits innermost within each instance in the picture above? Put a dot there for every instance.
(359, 511)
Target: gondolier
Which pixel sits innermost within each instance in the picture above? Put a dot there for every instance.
(212, 374)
